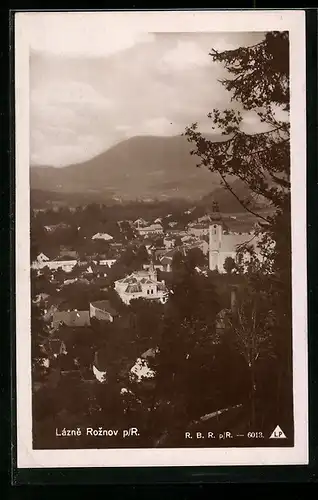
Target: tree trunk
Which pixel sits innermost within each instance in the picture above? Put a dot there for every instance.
(253, 396)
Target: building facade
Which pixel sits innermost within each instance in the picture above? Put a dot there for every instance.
(142, 284)
(102, 310)
(153, 229)
(223, 245)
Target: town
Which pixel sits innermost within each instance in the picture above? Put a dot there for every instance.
(100, 289)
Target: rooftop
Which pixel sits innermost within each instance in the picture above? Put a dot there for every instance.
(152, 227)
(72, 318)
(231, 242)
(105, 305)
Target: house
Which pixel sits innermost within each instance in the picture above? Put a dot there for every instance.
(70, 281)
(158, 253)
(167, 258)
(169, 242)
(40, 261)
(166, 263)
(142, 284)
(157, 265)
(95, 271)
(223, 244)
(66, 264)
(107, 262)
(99, 271)
(237, 226)
(176, 231)
(139, 223)
(198, 230)
(205, 218)
(201, 244)
(62, 263)
(51, 305)
(102, 310)
(150, 230)
(102, 236)
(71, 318)
(53, 227)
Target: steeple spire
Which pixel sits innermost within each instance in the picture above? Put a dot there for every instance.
(215, 215)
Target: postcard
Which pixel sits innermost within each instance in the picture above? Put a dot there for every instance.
(161, 279)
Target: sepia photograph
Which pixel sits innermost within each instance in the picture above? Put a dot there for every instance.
(161, 238)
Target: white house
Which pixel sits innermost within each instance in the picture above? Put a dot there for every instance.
(142, 284)
(150, 230)
(102, 236)
(107, 262)
(40, 261)
(54, 264)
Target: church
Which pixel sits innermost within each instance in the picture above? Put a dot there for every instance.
(224, 243)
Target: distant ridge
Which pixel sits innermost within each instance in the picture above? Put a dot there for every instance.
(142, 167)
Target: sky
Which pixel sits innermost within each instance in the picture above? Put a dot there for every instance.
(94, 85)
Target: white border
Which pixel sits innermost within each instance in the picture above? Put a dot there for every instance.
(191, 21)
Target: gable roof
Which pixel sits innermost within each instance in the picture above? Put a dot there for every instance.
(98, 268)
(231, 242)
(102, 236)
(72, 318)
(105, 305)
(43, 256)
(152, 227)
(133, 288)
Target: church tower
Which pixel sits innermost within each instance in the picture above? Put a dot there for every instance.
(215, 242)
(215, 237)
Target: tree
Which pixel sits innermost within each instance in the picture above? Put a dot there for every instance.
(258, 79)
(250, 325)
(39, 334)
(229, 265)
(178, 241)
(197, 257)
(186, 346)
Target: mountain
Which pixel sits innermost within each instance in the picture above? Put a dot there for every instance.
(142, 167)
(228, 203)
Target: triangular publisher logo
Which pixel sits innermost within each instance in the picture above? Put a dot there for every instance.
(277, 434)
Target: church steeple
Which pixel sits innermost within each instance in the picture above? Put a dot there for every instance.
(215, 215)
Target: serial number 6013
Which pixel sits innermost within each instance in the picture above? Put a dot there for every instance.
(255, 435)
